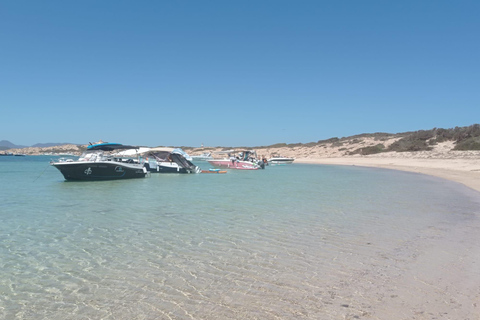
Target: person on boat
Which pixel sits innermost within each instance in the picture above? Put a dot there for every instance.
(232, 158)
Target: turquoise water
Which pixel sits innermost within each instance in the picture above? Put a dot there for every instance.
(289, 242)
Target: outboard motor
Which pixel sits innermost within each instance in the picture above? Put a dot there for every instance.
(147, 166)
(261, 164)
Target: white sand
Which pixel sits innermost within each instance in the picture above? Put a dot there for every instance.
(442, 161)
(465, 171)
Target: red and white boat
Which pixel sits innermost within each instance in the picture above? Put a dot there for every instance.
(238, 159)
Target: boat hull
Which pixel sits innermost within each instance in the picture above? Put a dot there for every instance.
(197, 158)
(165, 168)
(234, 164)
(97, 171)
(281, 160)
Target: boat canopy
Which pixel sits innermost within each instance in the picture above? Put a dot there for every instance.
(241, 154)
(164, 149)
(132, 152)
(182, 153)
(164, 152)
(110, 146)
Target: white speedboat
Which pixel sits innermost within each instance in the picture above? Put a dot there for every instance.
(169, 160)
(238, 159)
(202, 157)
(99, 163)
(275, 159)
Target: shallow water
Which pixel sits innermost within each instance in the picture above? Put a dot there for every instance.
(288, 242)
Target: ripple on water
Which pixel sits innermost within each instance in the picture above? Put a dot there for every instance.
(292, 242)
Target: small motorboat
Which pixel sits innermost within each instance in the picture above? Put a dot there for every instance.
(169, 160)
(238, 159)
(202, 157)
(99, 163)
(276, 159)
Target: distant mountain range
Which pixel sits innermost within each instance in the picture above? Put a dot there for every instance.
(5, 145)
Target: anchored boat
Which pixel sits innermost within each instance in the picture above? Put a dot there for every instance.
(277, 159)
(169, 160)
(238, 159)
(99, 162)
(202, 157)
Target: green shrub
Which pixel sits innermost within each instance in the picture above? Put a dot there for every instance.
(369, 150)
(337, 144)
(457, 134)
(278, 145)
(415, 141)
(310, 144)
(331, 140)
(355, 141)
(468, 144)
(409, 141)
(404, 145)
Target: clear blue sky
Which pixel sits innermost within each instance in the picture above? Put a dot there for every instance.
(235, 73)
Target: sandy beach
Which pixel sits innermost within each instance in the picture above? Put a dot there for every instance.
(459, 166)
(465, 171)
(442, 161)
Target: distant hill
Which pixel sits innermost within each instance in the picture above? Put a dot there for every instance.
(50, 144)
(5, 145)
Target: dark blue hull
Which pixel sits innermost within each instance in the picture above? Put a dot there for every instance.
(98, 171)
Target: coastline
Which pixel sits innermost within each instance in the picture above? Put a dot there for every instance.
(426, 270)
(464, 171)
(442, 161)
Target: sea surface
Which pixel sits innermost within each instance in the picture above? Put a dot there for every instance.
(288, 242)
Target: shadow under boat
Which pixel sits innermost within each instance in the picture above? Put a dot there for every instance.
(169, 160)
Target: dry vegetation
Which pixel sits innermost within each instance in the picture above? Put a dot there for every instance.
(446, 140)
